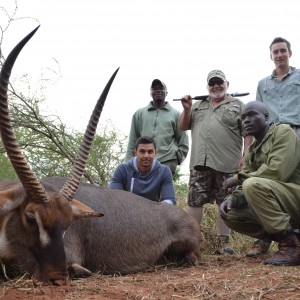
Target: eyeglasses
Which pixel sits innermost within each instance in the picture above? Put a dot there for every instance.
(216, 81)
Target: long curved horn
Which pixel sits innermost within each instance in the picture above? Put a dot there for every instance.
(71, 185)
(32, 185)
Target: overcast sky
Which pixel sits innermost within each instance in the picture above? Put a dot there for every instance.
(176, 41)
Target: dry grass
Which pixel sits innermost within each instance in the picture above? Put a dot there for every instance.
(225, 277)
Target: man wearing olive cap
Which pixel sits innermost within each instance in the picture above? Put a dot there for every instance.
(217, 147)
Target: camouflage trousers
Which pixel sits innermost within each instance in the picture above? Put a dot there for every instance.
(205, 186)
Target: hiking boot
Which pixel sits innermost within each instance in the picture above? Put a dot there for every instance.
(224, 246)
(258, 248)
(288, 253)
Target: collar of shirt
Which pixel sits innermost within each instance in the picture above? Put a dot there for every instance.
(291, 70)
(152, 107)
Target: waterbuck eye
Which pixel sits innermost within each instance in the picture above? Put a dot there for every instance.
(30, 218)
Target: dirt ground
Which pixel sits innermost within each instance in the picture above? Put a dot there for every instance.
(217, 277)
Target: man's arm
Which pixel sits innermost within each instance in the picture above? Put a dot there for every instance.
(235, 200)
(182, 140)
(116, 182)
(259, 92)
(167, 187)
(133, 136)
(184, 121)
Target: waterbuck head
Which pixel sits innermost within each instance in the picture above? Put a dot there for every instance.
(33, 216)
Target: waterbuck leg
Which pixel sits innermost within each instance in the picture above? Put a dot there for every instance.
(76, 270)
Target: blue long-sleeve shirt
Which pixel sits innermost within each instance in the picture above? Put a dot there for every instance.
(155, 185)
(282, 97)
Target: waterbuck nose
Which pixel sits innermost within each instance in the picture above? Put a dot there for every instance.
(60, 282)
(58, 278)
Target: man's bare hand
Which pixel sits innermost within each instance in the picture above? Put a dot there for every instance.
(225, 207)
(229, 183)
(186, 101)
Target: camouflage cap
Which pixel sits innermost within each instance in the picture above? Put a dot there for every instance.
(216, 73)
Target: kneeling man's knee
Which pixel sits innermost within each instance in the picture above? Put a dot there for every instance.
(251, 187)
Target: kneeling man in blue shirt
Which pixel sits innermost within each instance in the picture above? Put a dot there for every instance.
(144, 175)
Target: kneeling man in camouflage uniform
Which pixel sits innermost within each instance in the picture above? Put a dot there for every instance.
(266, 201)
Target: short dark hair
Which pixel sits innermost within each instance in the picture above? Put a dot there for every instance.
(281, 40)
(145, 140)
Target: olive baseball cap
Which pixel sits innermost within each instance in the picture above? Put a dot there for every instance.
(216, 73)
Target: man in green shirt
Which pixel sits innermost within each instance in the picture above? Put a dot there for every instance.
(159, 120)
(217, 148)
(266, 201)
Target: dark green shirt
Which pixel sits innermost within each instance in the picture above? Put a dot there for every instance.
(162, 125)
(277, 157)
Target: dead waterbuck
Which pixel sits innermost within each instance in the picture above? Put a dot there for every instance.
(36, 228)
(34, 220)
(134, 234)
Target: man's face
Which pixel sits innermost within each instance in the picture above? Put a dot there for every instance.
(158, 93)
(217, 88)
(280, 55)
(145, 154)
(254, 120)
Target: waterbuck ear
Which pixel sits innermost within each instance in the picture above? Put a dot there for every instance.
(81, 211)
(11, 199)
